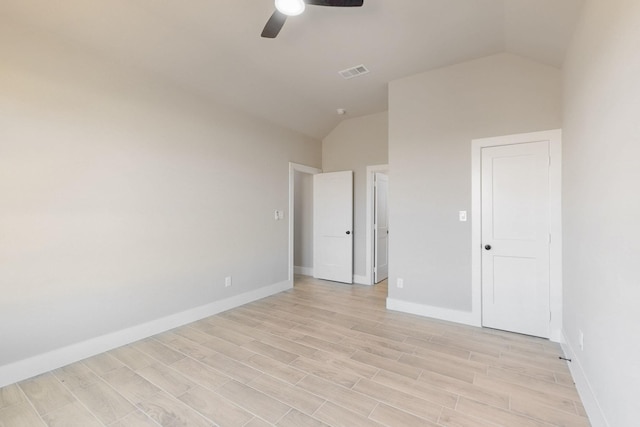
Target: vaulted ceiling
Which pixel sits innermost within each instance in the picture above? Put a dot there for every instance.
(214, 48)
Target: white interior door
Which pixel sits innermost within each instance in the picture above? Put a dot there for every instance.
(381, 228)
(333, 226)
(515, 238)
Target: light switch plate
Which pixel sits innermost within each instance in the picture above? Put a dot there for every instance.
(463, 216)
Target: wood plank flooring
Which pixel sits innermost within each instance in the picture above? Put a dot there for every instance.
(322, 354)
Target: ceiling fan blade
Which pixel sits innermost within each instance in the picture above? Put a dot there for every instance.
(274, 25)
(336, 3)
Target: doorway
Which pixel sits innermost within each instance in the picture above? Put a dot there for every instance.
(303, 224)
(301, 219)
(371, 242)
(380, 228)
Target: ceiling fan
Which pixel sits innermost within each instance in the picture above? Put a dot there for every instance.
(286, 8)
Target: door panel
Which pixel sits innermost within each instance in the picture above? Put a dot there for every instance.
(515, 238)
(381, 228)
(333, 226)
(513, 188)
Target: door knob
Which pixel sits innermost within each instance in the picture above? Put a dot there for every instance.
(348, 232)
(487, 247)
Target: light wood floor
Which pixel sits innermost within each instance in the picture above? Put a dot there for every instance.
(320, 354)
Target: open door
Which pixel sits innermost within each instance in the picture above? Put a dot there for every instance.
(381, 228)
(333, 226)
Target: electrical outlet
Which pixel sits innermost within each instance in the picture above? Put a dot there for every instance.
(400, 283)
(581, 339)
(227, 281)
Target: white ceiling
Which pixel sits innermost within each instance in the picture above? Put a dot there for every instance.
(214, 47)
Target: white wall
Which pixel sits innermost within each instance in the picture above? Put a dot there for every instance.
(124, 199)
(303, 222)
(601, 210)
(353, 145)
(433, 117)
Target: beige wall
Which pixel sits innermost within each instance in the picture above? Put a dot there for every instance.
(601, 209)
(433, 117)
(124, 199)
(353, 145)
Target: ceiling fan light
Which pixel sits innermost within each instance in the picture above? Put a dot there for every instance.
(290, 7)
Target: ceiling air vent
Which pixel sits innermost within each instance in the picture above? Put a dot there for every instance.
(356, 71)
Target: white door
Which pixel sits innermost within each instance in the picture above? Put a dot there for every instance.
(381, 228)
(333, 226)
(515, 238)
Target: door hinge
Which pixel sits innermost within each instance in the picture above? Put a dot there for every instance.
(549, 160)
(549, 238)
(549, 316)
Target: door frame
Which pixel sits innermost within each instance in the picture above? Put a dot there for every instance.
(293, 168)
(369, 252)
(555, 221)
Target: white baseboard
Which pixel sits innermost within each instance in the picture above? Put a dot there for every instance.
(556, 335)
(305, 271)
(360, 280)
(36, 365)
(589, 400)
(464, 317)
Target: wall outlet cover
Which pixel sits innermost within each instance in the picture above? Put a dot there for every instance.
(581, 340)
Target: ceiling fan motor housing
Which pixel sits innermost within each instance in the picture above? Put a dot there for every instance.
(286, 8)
